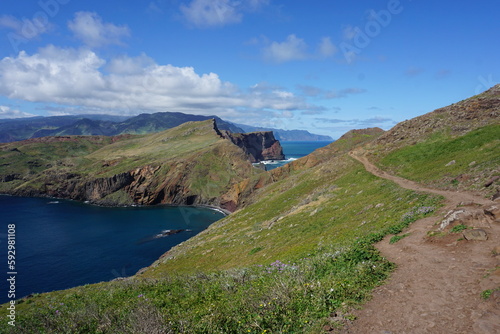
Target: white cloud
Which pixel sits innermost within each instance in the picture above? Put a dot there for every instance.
(218, 13)
(7, 112)
(210, 13)
(293, 48)
(91, 30)
(80, 78)
(10, 22)
(154, 8)
(349, 32)
(326, 48)
(25, 28)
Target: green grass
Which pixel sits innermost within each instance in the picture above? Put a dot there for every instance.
(476, 154)
(279, 297)
(396, 238)
(458, 228)
(486, 294)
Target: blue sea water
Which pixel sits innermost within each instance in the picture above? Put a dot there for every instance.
(294, 150)
(62, 244)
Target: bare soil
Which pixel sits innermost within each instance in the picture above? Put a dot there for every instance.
(437, 285)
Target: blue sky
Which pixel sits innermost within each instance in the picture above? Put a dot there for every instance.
(323, 66)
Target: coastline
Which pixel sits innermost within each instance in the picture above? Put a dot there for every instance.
(212, 207)
(206, 206)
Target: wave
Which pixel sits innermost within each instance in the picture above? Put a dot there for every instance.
(273, 162)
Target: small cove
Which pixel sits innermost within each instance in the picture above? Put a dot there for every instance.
(62, 244)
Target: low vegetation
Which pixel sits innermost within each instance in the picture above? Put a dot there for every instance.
(302, 251)
(299, 249)
(278, 297)
(465, 162)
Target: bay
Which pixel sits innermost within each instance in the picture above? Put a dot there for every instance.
(62, 244)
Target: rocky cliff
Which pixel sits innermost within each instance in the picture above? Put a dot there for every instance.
(259, 146)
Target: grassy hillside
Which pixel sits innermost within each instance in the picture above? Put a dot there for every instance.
(301, 251)
(188, 164)
(467, 162)
(455, 147)
(298, 253)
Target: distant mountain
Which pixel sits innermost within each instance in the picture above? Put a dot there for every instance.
(34, 127)
(288, 135)
(107, 125)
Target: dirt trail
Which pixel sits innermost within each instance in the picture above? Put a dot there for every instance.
(437, 285)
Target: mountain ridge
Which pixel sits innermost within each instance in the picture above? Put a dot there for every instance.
(109, 125)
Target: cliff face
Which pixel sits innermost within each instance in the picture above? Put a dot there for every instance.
(259, 146)
(189, 164)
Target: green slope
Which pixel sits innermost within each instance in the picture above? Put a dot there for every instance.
(301, 251)
(298, 249)
(189, 164)
(455, 147)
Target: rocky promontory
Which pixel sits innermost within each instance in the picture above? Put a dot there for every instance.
(191, 164)
(259, 146)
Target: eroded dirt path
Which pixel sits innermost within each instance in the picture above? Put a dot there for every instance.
(437, 285)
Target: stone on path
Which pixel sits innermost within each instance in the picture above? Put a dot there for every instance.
(476, 234)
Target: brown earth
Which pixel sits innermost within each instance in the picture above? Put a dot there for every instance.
(437, 285)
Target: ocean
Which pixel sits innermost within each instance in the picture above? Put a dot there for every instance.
(60, 244)
(294, 150)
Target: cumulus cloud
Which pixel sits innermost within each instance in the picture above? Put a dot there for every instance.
(24, 29)
(217, 13)
(92, 31)
(326, 48)
(7, 112)
(293, 48)
(349, 32)
(125, 85)
(10, 22)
